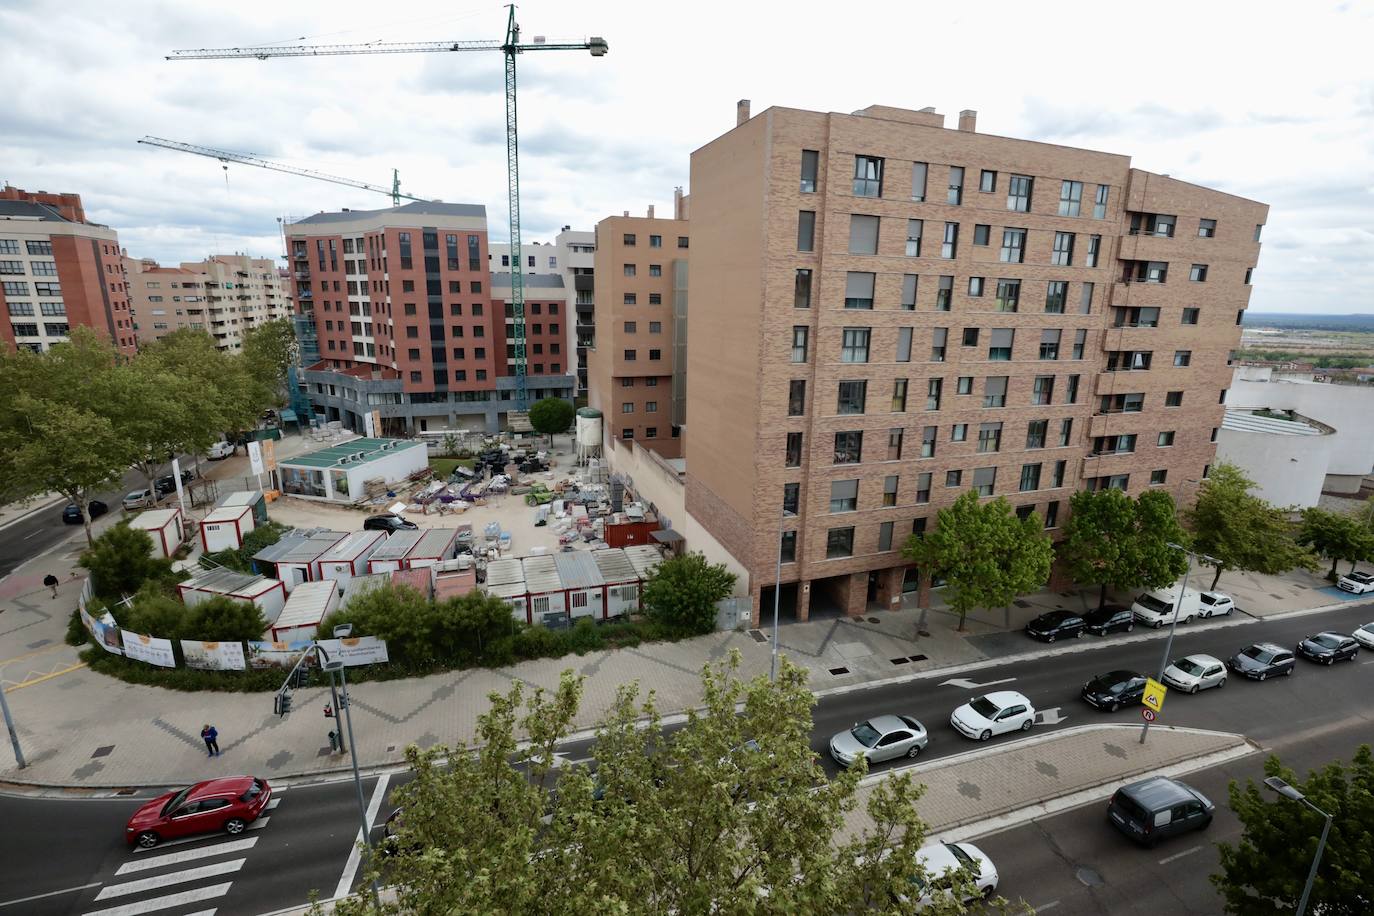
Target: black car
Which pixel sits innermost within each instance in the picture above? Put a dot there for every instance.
(72, 514)
(1329, 648)
(1109, 619)
(1056, 625)
(1261, 661)
(166, 486)
(1115, 689)
(389, 523)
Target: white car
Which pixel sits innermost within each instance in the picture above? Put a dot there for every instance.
(139, 499)
(1195, 672)
(993, 714)
(1215, 604)
(1365, 635)
(219, 450)
(942, 859)
(1357, 583)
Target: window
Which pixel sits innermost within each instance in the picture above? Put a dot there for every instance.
(933, 389)
(965, 385)
(11, 268)
(1042, 390)
(806, 230)
(858, 290)
(800, 336)
(1166, 439)
(1019, 193)
(1221, 398)
(21, 308)
(984, 480)
(1056, 292)
(655, 270)
(923, 488)
(890, 490)
(629, 271)
(1206, 229)
(46, 268)
(793, 453)
(904, 345)
(975, 287)
(989, 437)
(1135, 317)
(918, 184)
(956, 185)
(1030, 477)
(938, 339)
(849, 447)
(854, 345)
(1036, 431)
(629, 239)
(1157, 478)
(15, 288)
(1062, 253)
(1049, 343)
(1094, 248)
(894, 444)
(655, 241)
(981, 234)
(868, 176)
(629, 327)
(1249, 274)
(1013, 246)
(839, 542)
(950, 246)
(810, 161)
(1240, 313)
(944, 295)
(844, 495)
(44, 247)
(987, 181)
(1070, 197)
(885, 536)
(1173, 399)
(914, 228)
(852, 395)
(655, 354)
(1008, 295)
(909, 282)
(9, 246)
(958, 432)
(655, 327)
(630, 356)
(787, 549)
(970, 337)
(1183, 357)
(1000, 342)
(995, 391)
(1100, 205)
(1085, 299)
(1058, 479)
(802, 292)
(627, 407)
(1122, 403)
(1071, 394)
(796, 396)
(1198, 273)
(899, 395)
(682, 241)
(1114, 445)
(954, 478)
(928, 436)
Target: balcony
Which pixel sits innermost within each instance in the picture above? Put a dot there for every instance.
(1147, 246)
(301, 274)
(585, 308)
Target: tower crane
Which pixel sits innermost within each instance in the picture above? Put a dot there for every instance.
(510, 47)
(244, 159)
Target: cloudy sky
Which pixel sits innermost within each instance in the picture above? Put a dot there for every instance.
(1272, 101)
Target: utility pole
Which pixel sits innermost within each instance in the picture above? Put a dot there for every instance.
(1173, 625)
(9, 725)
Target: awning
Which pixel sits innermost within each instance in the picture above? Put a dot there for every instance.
(667, 536)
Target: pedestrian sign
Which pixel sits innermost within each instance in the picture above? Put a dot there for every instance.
(1154, 694)
(1149, 714)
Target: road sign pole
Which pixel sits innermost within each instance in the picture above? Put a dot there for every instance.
(1173, 626)
(9, 725)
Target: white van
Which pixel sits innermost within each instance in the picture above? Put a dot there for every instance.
(220, 450)
(1157, 607)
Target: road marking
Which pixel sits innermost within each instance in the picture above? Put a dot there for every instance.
(43, 651)
(1178, 855)
(176, 877)
(272, 805)
(162, 903)
(260, 823)
(1040, 908)
(355, 855)
(1049, 716)
(190, 855)
(965, 684)
(65, 890)
(46, 677)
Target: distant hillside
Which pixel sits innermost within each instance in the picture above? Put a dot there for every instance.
(1294, 321)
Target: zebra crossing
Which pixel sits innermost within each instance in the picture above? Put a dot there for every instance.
(156, 881)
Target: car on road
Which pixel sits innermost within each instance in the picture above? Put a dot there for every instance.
(1195, 672)
(72, 514)
(1215, 604)
(1262, 661)
(1357, 583)
(942, 862)
(220, 450)
(139, 499)
(389, 523)
(229, 803)
(1109, 618)
(1161, 605)
(1056, 625)
(1157, 808)
(993, 714)
(878, 739)
(1328, 648)
(1365, 635)
(167, 485)
(1115, 689)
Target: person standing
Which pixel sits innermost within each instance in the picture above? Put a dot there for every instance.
(50, 581)
(210, 735)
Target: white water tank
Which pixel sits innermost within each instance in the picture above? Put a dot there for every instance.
(588, 434)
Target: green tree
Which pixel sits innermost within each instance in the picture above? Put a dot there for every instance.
(1156, 527)
(1266, 870)
(986, 555)
(223, 619)
(1120, 542)
(551, 416)
(682, 592)
(226, 394)
(157, 411)
(732, 814)
(1336, 536)
(1241, 530)
(121, 560)
(269, 350)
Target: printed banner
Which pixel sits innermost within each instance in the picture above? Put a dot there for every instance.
(255, 456)
(356, 650)
(105, 632)
(149, 649)
(213, 656)
(282, 655)
(269, 454)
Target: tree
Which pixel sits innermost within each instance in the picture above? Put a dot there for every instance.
(682, 592)
(222, 618)
(1241, 530)
(1336, 536)
(1266, 870)
(157, 411)
(986, 555)
(269, 350)
(551, 416)
(1122, 543)
(121, 560)
(729, 814)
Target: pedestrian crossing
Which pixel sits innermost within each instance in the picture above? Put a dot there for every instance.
(181, 882)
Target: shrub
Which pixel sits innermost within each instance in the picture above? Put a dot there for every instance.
(681, 593)
(120, 561)
(76, 630)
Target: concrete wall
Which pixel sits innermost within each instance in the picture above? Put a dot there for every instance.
(1346, 407)
(1289, 470)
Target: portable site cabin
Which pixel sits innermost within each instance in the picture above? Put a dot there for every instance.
(296, 557)
(506, 580)
(165, 526)
(339, 473)
(349, 557)
(436, 546)
(645, 558)
(253, 498)
(361, 585)
(224, 528)
(583, 587)
(545, 589)
(269, 595)
(422, 580)
(310, 603)
(451, 579)
(622, 581)
(391, 555)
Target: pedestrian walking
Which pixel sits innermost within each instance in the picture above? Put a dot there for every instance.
(210, 736)
(50, 581)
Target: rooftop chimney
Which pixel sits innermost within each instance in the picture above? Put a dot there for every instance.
(968, 120)
(677, 203)
(741, 112)
(651, 211)
(627, 213)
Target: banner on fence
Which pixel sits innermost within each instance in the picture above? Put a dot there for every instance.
(282, 655)
(149, 649)
(356, 650)
(104, 631)
(213, 656)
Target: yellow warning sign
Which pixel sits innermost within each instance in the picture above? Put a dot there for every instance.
(1154, 694)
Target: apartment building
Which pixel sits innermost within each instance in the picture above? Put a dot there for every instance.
(58, 270)
(888, 313)
(224, 296)
(407, 321)
(635, 374)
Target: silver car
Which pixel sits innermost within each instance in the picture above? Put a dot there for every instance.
(880, 738)
(1195, 672)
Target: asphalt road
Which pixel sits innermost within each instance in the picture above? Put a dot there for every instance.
(43, 530)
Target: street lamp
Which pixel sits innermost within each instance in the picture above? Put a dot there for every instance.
(777, 594)
(1178, 609)
(1292, 794)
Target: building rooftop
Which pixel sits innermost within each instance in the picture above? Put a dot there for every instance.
(27, 209)
(1246, 422)
(300, 546)
(226, 581)
(418, 208)
(369, 449)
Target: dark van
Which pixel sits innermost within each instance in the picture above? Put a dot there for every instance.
(1158, 808)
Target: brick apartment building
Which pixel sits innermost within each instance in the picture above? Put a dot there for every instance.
(636, 370)
(407, 322)
(223, 296)
(887, 313)
(58, 270)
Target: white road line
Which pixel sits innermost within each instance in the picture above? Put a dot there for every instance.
(260, 823)
(65, 890)
(272, 805)
(156, 882)
(1042, 907)
(355, 855)
(190, 855)
(1178, 855)
(161, 903)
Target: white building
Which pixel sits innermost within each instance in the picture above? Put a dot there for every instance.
(1288, 456)
(339, 473)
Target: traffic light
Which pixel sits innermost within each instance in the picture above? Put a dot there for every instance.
(281, 703)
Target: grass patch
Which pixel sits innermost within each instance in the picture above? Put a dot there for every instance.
(442, 467)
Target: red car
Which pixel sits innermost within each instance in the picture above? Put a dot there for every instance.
(229, 804)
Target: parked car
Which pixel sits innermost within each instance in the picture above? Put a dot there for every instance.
(878, 739)
(229, 804)
(942, 862)
(993, 714)
(139, 499)
(166, 486)
(1160, 606)
(1261, 661)
(1157, 808)
(1056, 625)
(1357, 583)
(220, 450)
(1109, 618)
(1365, 635)
(1195, 672)
(72, 514)
(1329, 648)
(1115, 689)
(1215, 604)
(389, 523)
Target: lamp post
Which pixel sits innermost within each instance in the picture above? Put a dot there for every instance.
(1173, 624)
(1292, 794)
(777, 595)
(345, 710)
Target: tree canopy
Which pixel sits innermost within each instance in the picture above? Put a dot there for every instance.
(682, 592)
(551, 416)
(121, 560)
(1241, 530)
(1336, 536)
(1115, 541)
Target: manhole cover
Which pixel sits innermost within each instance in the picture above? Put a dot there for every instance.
(758, 636)
(103, 751)
(1089, 877)
(919, 658)
(900, 661)
(838, 671)
(874, 620)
